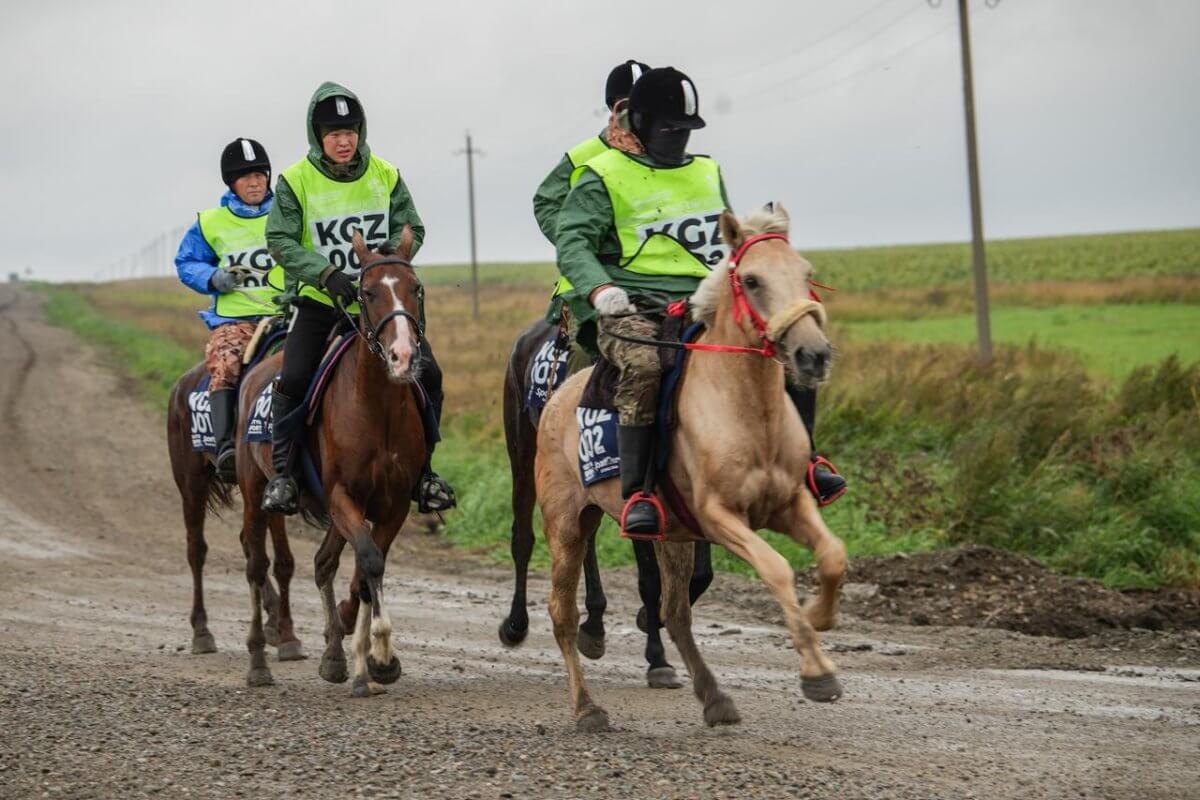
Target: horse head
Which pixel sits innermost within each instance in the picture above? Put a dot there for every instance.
(389, 293)
(775, 305)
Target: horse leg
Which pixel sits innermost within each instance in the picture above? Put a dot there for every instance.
(702, 572)
(659, 672)
(567, 547)
(197, 551)
(802, 522)
(352, 524)
(521, 453)
(382, 663)
(676, 563)
(325, 564)
(818, 678)
(590, 639)
(289, 647)
(254, 542)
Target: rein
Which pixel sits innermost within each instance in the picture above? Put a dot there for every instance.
(769, 331)
(370, 332)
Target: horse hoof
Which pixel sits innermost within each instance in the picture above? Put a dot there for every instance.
(663, 678)
(594, 720)
(510, 635)
(589, 646)
(203, 643)
(259, 676)
(389, 673)
(721, 711)
(641, 620)
(824, 689)
(291, 651)
(333, 670)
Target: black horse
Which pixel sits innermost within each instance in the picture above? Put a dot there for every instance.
(520, 433)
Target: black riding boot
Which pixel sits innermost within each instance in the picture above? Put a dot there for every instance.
(640, 519)
(223, 405)
(433, 493)
(823, 480)
(282, 495)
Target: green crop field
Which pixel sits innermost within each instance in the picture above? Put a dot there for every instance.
(1080, 445)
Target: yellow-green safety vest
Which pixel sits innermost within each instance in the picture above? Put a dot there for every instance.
(667, 218)
(242, 242)
(333, 210)
(579, 155)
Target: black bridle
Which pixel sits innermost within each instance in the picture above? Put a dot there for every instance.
(370, 332)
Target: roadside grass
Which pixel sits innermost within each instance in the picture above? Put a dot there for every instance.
(1112, 340)
(1086, 458)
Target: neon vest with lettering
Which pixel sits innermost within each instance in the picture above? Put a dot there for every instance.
(242, 242)
(667, 219)
(333, 210)
(579, 155)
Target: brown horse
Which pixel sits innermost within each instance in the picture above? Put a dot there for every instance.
(367, 443)
(520, 434)
(740, 458)
(201, 491)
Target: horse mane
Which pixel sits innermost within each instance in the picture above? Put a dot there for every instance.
(386, 249)
(707, 296)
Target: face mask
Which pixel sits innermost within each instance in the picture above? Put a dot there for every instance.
(667, 145)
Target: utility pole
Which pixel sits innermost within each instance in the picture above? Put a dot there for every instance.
(979, 258)
(471, 152)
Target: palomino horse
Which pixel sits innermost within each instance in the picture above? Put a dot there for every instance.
(520, 434)
(740, 458)
(202, 491)
(367, 444)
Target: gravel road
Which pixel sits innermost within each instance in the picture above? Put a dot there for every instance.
(100, 696)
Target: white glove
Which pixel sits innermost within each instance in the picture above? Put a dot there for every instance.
(225, 281)
(613, 300)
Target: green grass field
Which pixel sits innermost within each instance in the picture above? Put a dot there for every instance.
(1082, 448)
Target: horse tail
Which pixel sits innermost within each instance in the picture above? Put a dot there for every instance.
(219, 495)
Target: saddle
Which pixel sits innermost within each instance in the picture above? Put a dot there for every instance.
(599, 458)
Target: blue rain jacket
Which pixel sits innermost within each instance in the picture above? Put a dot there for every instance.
(196, 262)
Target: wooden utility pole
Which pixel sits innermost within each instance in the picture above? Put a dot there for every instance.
(470, 151)
(982, 313)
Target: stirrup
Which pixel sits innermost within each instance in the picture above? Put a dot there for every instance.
(435, 495)
(660, 512)
(824, 500)
(225, 463)
(282, 495)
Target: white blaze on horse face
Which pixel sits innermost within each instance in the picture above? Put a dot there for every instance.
(399, 349)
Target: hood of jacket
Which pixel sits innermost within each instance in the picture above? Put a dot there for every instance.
(316, 154)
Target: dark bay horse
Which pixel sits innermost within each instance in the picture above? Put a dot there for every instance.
(367, 444)
(520, 434)
(201, 491)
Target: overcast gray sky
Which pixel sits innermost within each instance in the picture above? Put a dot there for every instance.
(114, 113)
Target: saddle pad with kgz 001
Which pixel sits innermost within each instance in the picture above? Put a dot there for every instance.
(547, 370)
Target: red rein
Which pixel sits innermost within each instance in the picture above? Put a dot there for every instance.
(742, 307)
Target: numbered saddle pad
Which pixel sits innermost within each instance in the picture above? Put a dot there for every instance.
(598, 456)
(200, 409)
(546, 371)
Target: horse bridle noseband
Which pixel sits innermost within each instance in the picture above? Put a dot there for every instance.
(370, 332)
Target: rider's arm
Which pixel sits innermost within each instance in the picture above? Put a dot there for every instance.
(195, 261)
(404, 212)
(285, 227)
(584, 225)
(548, 199)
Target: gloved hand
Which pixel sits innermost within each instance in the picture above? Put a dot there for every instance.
(612, 300)
(341, 287)
(224, 281)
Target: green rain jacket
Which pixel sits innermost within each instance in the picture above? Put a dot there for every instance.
(589, 252)
(286, 221)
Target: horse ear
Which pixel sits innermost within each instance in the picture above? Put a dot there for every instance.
(781, 215)
(731, 230)
(360, 247)
(406, 243)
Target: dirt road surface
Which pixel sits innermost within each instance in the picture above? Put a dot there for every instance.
(100, 696)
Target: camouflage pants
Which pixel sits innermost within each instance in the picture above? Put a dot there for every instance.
(639, 366)
(224, 351)
(577, 358)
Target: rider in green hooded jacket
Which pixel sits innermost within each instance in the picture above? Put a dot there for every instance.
(320, 201)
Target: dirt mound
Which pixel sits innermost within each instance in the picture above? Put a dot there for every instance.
(988, 587)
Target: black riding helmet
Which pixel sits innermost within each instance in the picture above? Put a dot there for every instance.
(337, 112)
(621, 80)
(664, 108)
(242, 156)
